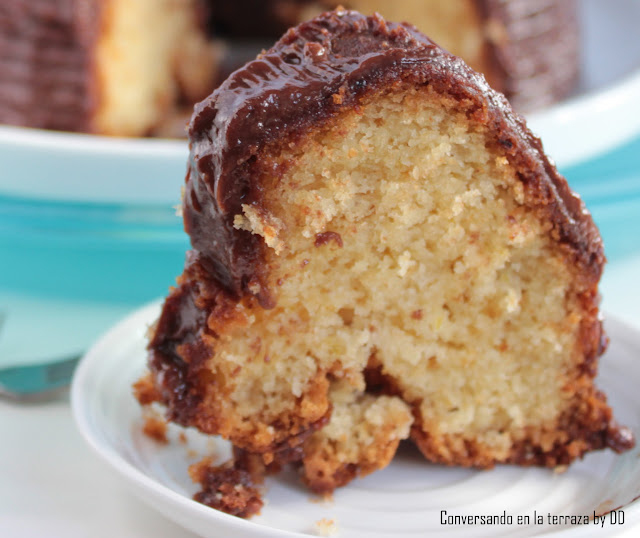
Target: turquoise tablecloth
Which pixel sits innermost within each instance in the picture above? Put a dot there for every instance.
(610, 186)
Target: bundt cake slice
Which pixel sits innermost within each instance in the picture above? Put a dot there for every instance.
(381, 251)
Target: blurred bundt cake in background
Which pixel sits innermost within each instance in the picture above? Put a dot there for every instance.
(136, 67)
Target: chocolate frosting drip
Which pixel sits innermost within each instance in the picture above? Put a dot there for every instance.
(179, 324)
(292, 87)
(45, 63)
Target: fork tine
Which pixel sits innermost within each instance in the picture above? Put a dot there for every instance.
(34, 380)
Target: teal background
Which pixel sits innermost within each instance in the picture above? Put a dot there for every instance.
(610, 187)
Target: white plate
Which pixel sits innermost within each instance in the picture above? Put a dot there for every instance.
(604, 113)
(73, 167)
(405, 499)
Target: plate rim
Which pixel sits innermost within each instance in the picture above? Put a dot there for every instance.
(140, 483)
(137, 481)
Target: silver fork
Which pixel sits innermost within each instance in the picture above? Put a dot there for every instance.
(37, 382)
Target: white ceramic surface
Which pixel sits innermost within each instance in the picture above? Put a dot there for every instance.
(405, 499)
(604, 112)
(84, 168)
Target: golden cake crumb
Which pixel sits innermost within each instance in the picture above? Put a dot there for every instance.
(226, 487)
(145, 391)
(155, 428)
(326, 527)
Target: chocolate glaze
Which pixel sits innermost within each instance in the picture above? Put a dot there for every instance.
(291, 87)
(181, 323)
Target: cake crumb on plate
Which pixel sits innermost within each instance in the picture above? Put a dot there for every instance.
(326, 527)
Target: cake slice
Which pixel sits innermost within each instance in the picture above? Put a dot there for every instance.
(380, 251)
